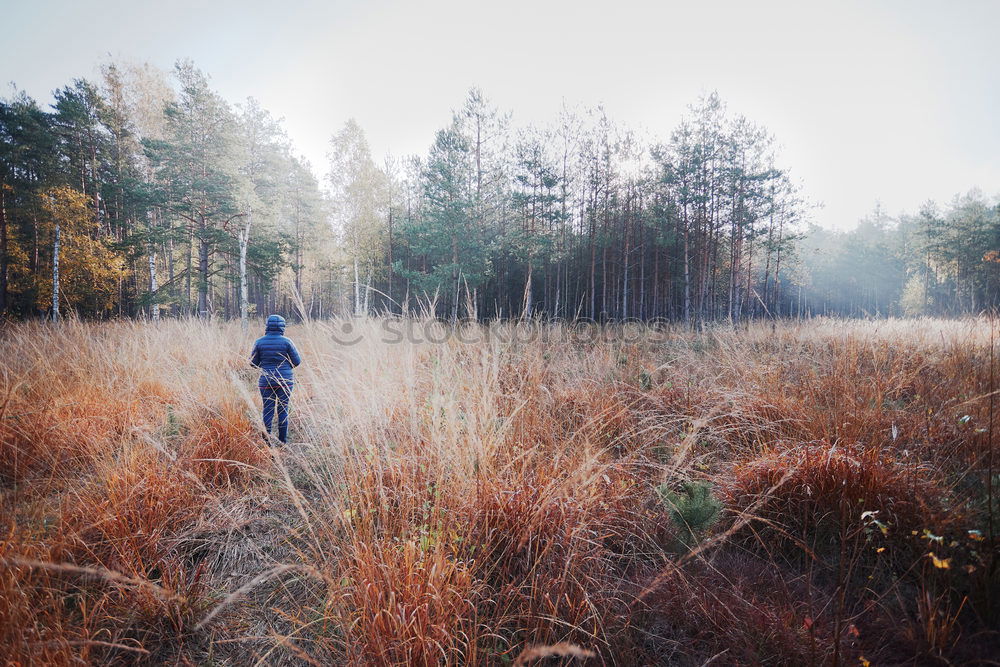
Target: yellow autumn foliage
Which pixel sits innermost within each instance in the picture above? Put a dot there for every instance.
(89, 270)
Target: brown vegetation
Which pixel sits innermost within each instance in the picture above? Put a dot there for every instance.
(812, 493)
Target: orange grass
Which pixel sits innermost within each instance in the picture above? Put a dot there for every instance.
(813, 490)
(497, 498)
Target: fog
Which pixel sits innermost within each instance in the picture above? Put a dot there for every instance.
(890, 102)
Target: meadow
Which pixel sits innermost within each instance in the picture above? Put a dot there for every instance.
(800, 493)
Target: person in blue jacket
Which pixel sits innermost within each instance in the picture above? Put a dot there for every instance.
(275, 355)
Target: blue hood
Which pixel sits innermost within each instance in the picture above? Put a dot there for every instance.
(276, 324)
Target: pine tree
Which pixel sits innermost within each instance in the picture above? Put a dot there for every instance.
(198, 173)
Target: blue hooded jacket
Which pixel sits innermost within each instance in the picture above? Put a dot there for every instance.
(275, 355)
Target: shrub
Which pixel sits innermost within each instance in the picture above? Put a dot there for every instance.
(222, 448)
(407, 605)
(133, 524)
(35, 627)
(736, 611)
(815, 496)
(694, 509)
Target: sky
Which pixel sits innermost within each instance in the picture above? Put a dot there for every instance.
(872, 101)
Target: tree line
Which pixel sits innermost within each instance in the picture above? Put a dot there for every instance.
(137, 195)
(141, 195)
(580, 219)
(941, 261)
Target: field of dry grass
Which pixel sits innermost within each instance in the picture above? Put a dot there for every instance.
(811, 494)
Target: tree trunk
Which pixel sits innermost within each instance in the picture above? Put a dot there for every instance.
(389, 286)
(154, 307)
(190, 271)
(55, 276)
(777, 265)
(298, 252)
(203, 272)
(527, 292)
(625, 255)
(687, 273)
(593, 269)
(368, 291)
(3, 249)
(454, 276)
(357, 289)
(244, 242)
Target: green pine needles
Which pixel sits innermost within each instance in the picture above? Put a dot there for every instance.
(693, 509)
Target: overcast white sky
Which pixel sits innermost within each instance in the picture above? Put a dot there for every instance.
(895, 101)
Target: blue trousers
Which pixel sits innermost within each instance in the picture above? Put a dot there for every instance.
(276, 398)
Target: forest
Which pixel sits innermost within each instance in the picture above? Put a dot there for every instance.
(144, 194)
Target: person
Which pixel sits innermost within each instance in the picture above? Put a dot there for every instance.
(275, 355)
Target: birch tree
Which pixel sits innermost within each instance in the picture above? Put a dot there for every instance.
(359, 199)
(259, 146)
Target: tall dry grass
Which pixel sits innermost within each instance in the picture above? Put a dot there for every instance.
(799, 493)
